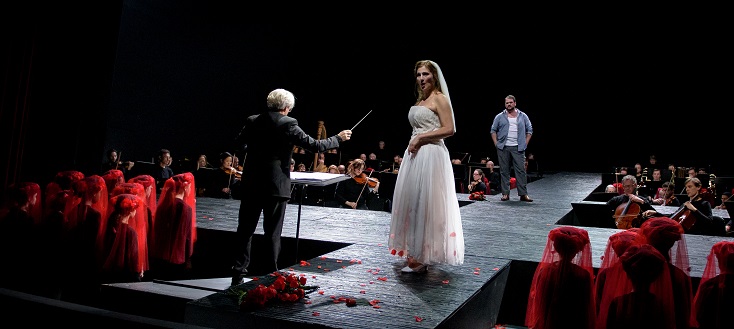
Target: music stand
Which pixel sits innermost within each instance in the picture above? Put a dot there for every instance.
(304, 179)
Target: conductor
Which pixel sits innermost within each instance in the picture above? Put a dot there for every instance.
(267, 139)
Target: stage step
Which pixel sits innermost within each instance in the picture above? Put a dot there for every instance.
(165, 300)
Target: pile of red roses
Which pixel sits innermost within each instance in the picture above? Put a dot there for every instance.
(287, 287)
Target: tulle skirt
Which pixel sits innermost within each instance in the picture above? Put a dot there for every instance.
(426, 223)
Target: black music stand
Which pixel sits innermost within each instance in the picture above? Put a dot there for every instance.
(305, 178)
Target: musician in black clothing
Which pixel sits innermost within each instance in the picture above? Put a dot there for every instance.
(353, 193)
(695, 215)
(627, 208)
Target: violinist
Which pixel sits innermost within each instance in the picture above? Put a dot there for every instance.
(628, 206)
(477, 182)
(354, 193)
(666, 196)
(113, 162)
(695, 215)
(224, 182)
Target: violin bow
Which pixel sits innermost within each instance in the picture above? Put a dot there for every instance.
(117, 161)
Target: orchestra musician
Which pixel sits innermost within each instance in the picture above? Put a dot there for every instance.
(477, 182)
(628, 206)
(224, 182)
(114, 163)
(353, 193)
(695, 215)
(666, 196)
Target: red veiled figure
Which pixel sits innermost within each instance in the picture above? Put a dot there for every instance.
(113, 177)
(119, 245)
(35, 206)
(64, 180)
(141, 220)
(148, 183)
(19, 218)
(174, 233)
(607, 289)
(714, 301)
(649, 304)
(84, 217)
(562, 291)
(666, 235)
(151, 202)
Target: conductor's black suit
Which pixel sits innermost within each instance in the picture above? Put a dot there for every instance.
(267, 140)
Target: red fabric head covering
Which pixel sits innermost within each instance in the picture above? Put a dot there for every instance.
(64, 180)
(607, 288)
(181, 184)
(140, 224)
(117, 254)
(113, 177)
(35, 205)
(90, 191)
(21, 195)
(148, 183)
(175, 227)
(666, 235)
(562, 290)
(715, 296)
(650, 302)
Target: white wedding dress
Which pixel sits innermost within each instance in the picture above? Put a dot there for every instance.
(426, 223)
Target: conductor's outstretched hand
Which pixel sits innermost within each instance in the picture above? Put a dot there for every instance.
(345, 135)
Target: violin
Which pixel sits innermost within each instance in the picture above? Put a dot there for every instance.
(626, 213)
(364, 179)
(232, 171)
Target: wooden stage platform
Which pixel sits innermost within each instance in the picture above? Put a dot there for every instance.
(348, 257)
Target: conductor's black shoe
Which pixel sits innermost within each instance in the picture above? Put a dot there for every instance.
(526, 198)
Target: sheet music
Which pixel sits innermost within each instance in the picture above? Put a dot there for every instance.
(316, 178)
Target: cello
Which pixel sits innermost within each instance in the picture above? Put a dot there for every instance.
(625, 214)
(684, 216)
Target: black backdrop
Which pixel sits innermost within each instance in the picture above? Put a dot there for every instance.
(183, 75)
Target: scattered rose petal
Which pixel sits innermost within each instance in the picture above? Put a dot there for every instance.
(477, 269)
(445, 281)
(316, 313)
(496, 269)
(308, 302)
(318, 266)
(418, 318)
(344, 266)
(323, 257)
(362, 292)
(393, 252)
(382, 278)
(255, 279)
(371, 282)
(313, 276)
(338, 260)
(477, 273)
(351, 302)
(362, 285)
(453, 234)
(376, 306)
(321, 292)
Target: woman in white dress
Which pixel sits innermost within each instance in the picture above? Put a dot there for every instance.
(426, 223)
